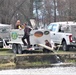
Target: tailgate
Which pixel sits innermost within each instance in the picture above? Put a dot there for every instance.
(73, 30)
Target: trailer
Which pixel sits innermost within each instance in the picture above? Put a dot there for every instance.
(37, 37)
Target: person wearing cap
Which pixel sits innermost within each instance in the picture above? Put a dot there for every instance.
(26, 36)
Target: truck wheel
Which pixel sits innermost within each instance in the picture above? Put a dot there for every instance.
(1, 43)
(19, 49)
(64, 46)
(14, 48)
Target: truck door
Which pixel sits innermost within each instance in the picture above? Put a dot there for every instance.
(55, 33)
(53, 30)
(58, 35)
(73, 30)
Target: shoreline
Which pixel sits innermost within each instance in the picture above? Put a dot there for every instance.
(35, 60)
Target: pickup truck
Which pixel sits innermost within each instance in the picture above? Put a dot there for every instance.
(4, 34)
(63, 33)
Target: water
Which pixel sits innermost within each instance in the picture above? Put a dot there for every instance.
(41, 71)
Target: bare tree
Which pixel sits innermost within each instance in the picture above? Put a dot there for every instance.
(66, 9)
(54, 1)
(11, 10)
(46, 10)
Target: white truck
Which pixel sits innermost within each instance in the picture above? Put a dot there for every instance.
(63, 33)
(4, 34)
(36, 37)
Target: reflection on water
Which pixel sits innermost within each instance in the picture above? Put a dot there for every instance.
(41, 71)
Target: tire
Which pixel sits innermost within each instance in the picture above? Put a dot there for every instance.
(19, 49)
(1, 43)
(64, 46)
(14, 48)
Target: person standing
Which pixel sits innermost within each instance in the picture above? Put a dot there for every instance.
(26, 36)
(18, 25)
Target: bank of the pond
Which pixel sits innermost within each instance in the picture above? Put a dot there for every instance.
(36, 60)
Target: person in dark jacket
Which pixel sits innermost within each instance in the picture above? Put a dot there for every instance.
(26, 35)
(47, 43)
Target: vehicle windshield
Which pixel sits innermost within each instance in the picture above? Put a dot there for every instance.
(52, 27)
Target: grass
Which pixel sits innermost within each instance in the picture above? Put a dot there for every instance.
(5, 51)
(7, 65)
(28, 64)
(33, 64)
(72, 61)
